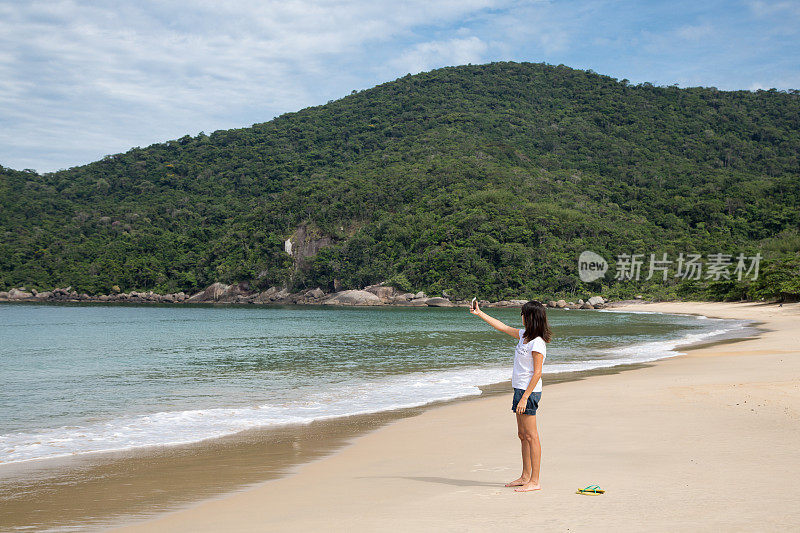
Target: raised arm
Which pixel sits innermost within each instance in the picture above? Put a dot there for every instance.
(496, 324)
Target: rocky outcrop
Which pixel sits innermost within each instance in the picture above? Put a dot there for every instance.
(219, 292)
(69, 295)
(241, 293)
(282, 294)
(353, 297)
(266, 296)
(19, 294)
(213, 293)
(510, 303)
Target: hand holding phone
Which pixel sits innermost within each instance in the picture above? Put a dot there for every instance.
(473, 306)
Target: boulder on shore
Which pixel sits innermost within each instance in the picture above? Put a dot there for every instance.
(205, 294)
(219, 292)
(587, 306)
(594, 300)
(315, 293)
(266, 296)
(353, 297)
(561, 304)
(17, 294)
(384, 292)
(282, 294)
(439, 302)
(551, 303)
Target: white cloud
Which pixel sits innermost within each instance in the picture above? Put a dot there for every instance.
(434, 54)
(94, 78)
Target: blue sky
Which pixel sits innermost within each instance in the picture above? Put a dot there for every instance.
(79, 80)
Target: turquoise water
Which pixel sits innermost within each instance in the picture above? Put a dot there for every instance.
(92, 378)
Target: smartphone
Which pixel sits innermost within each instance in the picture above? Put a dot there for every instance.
(474, 303)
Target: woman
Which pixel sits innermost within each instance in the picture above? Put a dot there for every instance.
(526, 379)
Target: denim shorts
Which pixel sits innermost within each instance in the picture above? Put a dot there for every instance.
(533, 401)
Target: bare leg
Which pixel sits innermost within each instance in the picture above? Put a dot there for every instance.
(531, 440)
(526, 457)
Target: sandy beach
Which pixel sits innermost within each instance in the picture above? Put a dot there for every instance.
(703, 441)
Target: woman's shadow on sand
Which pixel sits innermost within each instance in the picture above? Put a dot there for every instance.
(442, 480)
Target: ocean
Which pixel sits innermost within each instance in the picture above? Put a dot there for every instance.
(84, 379)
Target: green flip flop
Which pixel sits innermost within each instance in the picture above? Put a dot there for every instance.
(591, 490)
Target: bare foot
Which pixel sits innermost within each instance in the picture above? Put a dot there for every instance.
(520, 481)
(528, 487)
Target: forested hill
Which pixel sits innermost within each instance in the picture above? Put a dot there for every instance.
(486, 179)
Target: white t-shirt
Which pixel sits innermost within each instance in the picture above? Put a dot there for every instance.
(523, 362)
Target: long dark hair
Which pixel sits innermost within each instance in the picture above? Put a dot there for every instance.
(534, 316)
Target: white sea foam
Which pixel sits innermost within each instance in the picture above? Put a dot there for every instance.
(643, 352)
(625, 311)
(183, 427)
(380, 394)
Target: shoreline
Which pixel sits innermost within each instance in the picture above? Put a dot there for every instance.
(356, 461)
(290, 448)
(151, 481)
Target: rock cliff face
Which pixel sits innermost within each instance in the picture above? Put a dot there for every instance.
(305, 242)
